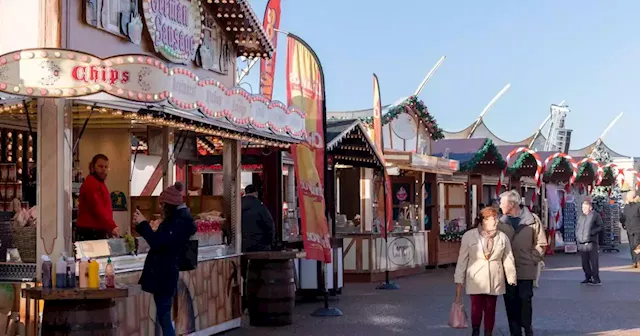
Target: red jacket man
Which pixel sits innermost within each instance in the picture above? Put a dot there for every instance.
(95, 215)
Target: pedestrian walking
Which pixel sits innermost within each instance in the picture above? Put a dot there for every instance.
(484, 262)
(630, 219)
(528, 241)
(588, 230)
(167, 243)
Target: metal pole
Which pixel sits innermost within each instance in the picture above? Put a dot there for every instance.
(387, 277)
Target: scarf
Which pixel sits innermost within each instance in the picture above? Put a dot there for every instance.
(487, 241)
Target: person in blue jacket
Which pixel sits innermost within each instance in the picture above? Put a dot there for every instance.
(167, 241)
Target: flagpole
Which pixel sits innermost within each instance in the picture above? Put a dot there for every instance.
(325, 311)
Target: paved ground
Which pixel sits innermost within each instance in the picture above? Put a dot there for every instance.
(561, 305)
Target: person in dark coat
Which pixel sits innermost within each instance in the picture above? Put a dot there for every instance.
(167, 241)
(258, 228)
(588, 228)
(630, 219)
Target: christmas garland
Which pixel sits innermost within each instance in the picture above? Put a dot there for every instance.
(555, 163)
(451, 237)
(417, 106)
(487, 148)
(519, 162)
(584, 166)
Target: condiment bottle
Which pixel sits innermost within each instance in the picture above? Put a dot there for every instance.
(47, 268)
(61, 272)
(94, 274)
(109, 275)
(83, 272)
(71, 272)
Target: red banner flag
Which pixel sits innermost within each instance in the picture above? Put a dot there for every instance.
(385, 212)
(270, 23)
(305, 89)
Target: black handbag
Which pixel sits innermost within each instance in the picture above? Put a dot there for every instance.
(189, 258)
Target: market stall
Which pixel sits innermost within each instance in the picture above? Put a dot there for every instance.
(97, 93)
(479, 159)
(356, 170)
(523, 175)
(559, 174)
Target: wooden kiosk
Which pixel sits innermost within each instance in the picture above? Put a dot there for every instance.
(479, 158)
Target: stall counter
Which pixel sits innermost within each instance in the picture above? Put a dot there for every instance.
(208, 298)
(365, 256)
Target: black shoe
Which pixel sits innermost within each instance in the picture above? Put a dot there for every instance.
(475, 331)
(488, 333)
(586, 282)
(528, 332)
(596, 283)
(634, 265)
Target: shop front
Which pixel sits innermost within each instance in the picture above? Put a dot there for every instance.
(97, 85)
(463, 193)
(407, 133)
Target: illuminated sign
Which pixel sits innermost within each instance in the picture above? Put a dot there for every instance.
(175, 27)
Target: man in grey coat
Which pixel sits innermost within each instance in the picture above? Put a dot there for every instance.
(528, 242)
(587, 231)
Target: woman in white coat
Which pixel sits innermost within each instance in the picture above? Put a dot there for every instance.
(484, 261)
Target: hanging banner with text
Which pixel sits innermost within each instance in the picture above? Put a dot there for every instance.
(268, 66)
(305, 90)
(385, 212)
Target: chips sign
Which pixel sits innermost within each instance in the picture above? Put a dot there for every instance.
(59, 73)
(64, 73)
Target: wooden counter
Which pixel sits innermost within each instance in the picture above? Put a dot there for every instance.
(78, 311)
(365, 256)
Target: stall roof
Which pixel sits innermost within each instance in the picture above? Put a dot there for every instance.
(104, 100)
(341, 142)
(241, 24)
(475, 155)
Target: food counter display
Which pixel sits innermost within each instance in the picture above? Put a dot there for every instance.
(208, 298)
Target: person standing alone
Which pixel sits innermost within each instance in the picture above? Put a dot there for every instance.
(95, 215)
(528, 242)
(630, 220)
(587, 231)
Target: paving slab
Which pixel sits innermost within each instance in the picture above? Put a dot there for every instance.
(562, 306)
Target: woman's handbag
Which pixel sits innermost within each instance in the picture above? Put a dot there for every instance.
(457, 316)
(189, 258)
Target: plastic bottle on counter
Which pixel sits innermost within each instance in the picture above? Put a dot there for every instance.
(71, 272)
(109, 275)
(61, 272)
(83, 272)
(47, 272)
(94, 274)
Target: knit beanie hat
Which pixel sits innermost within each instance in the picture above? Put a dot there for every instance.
(172, 195)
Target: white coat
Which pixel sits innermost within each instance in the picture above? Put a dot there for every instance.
(482, 276)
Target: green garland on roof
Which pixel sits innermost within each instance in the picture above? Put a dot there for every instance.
(487, 148)
(584, 166)
(411, 104)
(554, 165)
(519, 162)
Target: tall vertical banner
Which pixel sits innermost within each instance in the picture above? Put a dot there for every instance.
(385, 212)
(271, 23)
(305, 90)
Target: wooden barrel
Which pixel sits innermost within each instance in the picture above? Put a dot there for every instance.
(80, 318)
(271, 292)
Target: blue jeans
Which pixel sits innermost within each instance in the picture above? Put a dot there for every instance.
(163, 313)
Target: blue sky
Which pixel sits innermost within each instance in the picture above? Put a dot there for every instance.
(584, 52)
